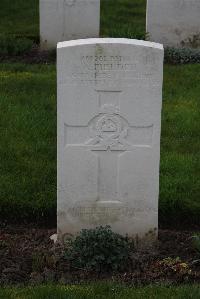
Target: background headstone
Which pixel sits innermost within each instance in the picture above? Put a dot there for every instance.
(62, 20)
(174, 23)
(109, 115)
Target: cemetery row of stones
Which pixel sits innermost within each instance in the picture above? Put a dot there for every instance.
(108, 152)
(114, 136)
(171, 23)
(109, 123)
(177, 29)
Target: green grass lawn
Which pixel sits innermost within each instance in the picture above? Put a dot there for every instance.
(20, 18)
(123, 18)
(101, 291)
(28, 141)
(180, 146)
(28, 144)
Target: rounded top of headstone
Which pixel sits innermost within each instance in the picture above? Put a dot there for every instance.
(124, 41)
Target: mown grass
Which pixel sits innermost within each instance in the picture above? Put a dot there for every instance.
(28, 144)
(101, 291)
(180, 146)
(20, 18)
(123, 18)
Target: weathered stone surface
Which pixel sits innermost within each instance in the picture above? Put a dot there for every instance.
(174, 23)
(109, 114)
(62, 20)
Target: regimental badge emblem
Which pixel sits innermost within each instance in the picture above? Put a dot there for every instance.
(108, 129)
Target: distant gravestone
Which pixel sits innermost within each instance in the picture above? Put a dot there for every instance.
(109, 114)
(62, 20)
(174, 23)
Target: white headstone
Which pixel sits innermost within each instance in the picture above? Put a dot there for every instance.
(109, 115)
(174, 23)
(62, 20)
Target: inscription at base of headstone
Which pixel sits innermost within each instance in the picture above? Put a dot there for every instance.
(174, 23)
(62, 20)
(109, 115)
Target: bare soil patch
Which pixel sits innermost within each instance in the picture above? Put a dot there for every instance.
(28, 255)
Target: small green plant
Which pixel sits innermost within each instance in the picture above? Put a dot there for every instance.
(41, 261)
(99, 250)
(182, 55)
(196, 242)
(174, 266)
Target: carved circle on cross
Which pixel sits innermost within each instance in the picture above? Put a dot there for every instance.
(108, 128)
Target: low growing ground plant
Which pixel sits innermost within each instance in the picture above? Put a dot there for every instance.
(182, 56)
(98, 250)
(43, 260)
(174, 265)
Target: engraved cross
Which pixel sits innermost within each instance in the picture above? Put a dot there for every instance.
(110, 135)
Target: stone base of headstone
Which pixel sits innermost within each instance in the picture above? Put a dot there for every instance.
(148, 242)
(54, 238)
